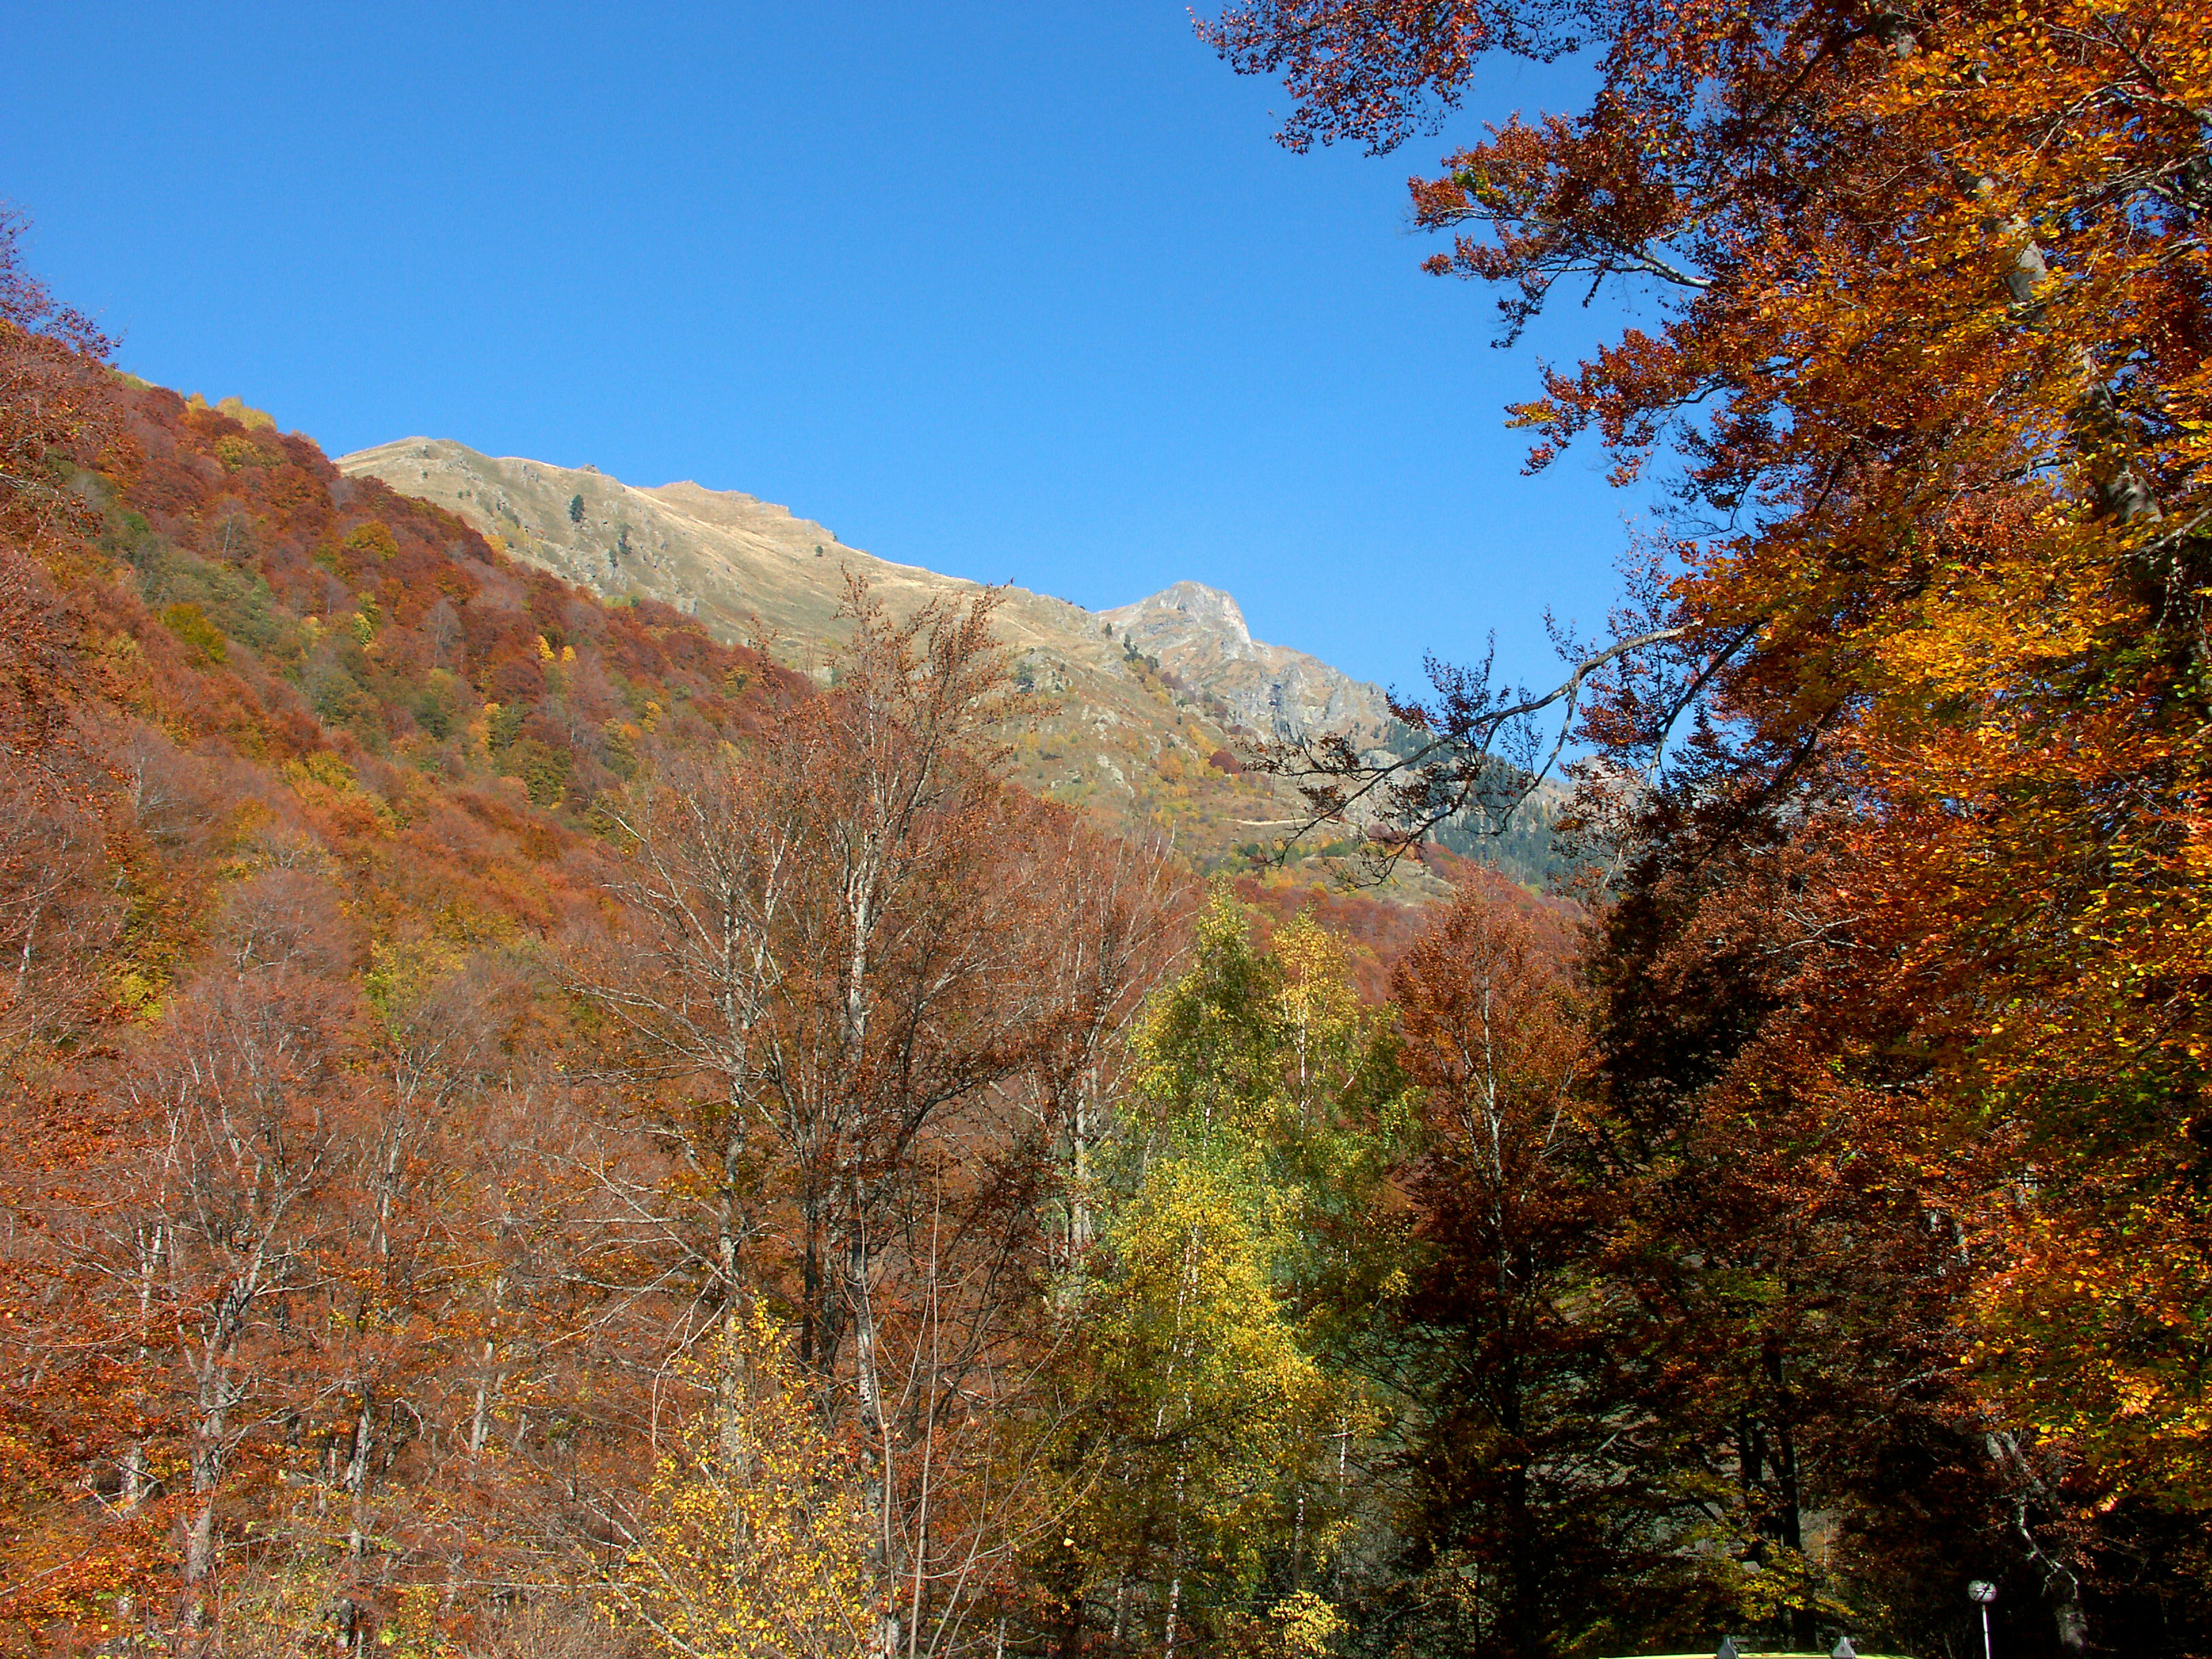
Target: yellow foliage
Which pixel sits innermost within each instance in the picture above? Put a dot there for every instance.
(756, 1539)
(412, 1630)
(403, 974)
(1221, 1419)
(1303, 1626)
(374, 538)
(236, 451)
(238, 411)
(202, 639)
(321, 768)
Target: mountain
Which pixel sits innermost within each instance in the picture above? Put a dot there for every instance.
(1199, 635)
(1140, 711)
(746, 566)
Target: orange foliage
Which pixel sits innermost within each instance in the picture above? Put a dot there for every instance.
(1931, 348)
(351, 1238)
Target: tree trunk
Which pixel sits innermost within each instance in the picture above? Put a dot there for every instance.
(357, 1474)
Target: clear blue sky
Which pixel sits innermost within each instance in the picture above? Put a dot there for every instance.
(1014, 291)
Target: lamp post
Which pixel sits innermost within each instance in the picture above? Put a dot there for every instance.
(1981, 1593)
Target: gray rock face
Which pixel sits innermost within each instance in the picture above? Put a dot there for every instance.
(1199, 635)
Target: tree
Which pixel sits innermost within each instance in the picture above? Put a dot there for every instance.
(576, 509)
(201, 1259)
(54, 399)
(873, 1024)
(1523, 1525)
(1221, 1423)
(1932, 356)
(754, 1542)
(1787, 1276)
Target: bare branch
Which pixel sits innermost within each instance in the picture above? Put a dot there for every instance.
(1398, 803)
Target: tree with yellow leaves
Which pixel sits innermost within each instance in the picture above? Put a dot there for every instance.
(755, 1539)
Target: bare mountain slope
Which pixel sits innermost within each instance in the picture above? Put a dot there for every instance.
(1139, 709)
(740, 564)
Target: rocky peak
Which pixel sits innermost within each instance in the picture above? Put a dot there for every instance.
(1184, 614)
(1199, 635)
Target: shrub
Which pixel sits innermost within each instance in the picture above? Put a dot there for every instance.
(373, 538)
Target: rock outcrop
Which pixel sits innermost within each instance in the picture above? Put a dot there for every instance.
(1198, 635)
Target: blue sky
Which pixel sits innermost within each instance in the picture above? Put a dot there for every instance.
(1014, 291)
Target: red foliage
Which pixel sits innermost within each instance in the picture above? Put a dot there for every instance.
(1371, 71)
(1382, 929)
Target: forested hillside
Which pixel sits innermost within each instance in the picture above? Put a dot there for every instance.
(364, 1210)
(462, 1032)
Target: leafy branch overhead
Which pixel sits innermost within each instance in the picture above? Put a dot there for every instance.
(1910, 708)
(1479, 753)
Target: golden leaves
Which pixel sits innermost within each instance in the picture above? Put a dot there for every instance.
(757, 1529)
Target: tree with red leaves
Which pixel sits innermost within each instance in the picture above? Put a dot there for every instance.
(53, 396)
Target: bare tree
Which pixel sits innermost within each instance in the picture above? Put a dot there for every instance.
(870, 990)
(217, 1230)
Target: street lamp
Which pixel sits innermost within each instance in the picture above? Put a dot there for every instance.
(1981, 1593)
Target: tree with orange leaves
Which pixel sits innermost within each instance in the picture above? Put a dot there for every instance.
(865, 1019)
(53, 401)
(1932, 365)
(1516, 1512)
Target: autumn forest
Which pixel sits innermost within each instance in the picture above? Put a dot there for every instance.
(534, 1132)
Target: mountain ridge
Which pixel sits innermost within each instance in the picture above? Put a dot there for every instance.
(1197, 632)
(1143, 711)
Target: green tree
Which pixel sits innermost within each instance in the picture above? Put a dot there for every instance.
(1224, 1413)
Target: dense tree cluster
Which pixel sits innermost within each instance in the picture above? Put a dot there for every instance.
(1900, 758)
